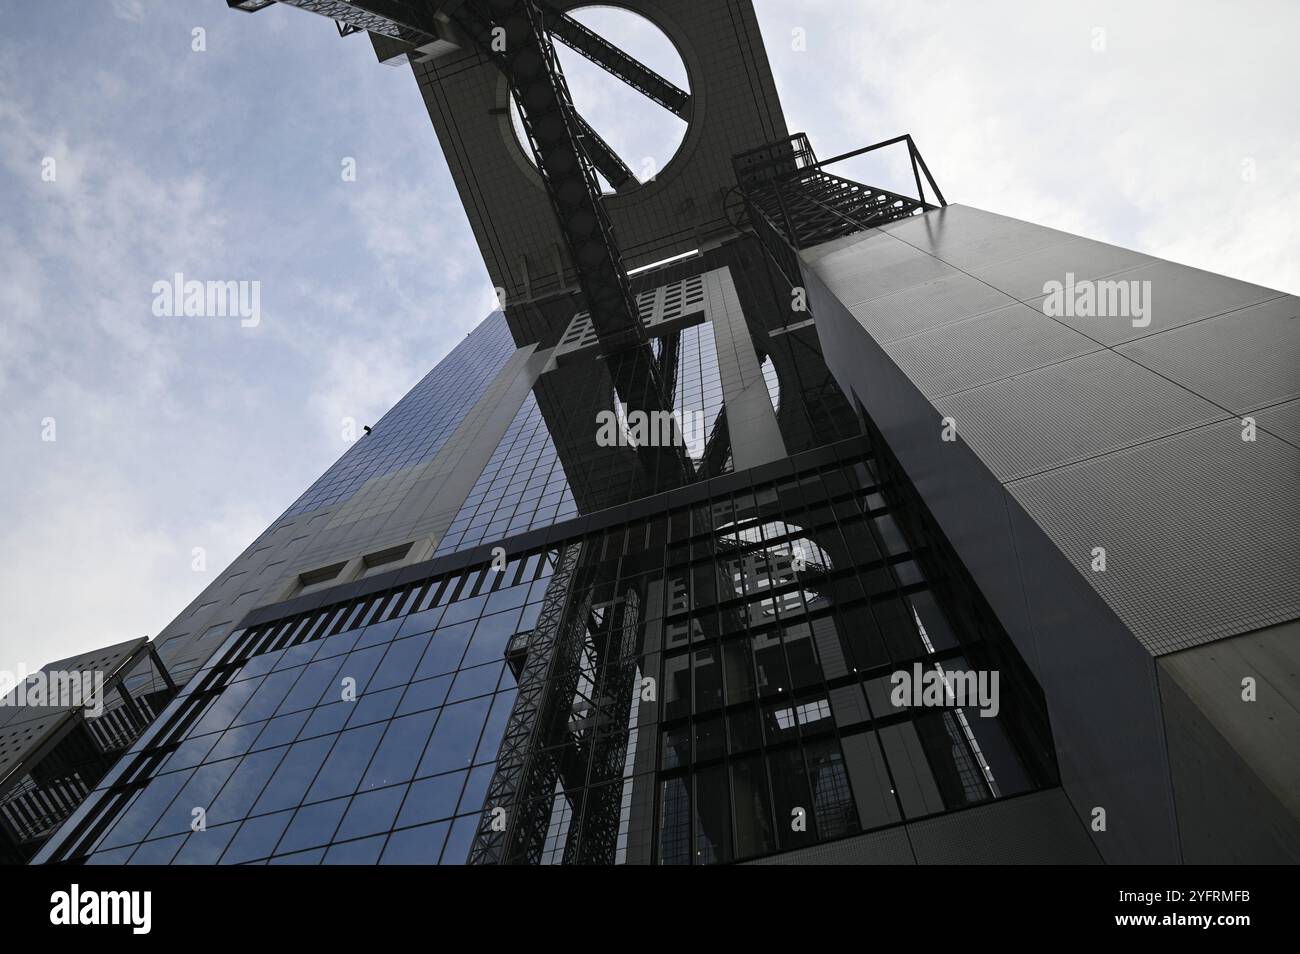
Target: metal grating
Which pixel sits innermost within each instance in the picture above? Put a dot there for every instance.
(1071, 411)
(1282, 421)
(1024, 277)
(1241, 361)
(969, 238)
(967, 354)
(1200, 532)
(1179, 296)
(943, 301)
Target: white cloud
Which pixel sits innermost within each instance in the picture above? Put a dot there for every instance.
(1139, 144)
(132, 10)
(176, 434)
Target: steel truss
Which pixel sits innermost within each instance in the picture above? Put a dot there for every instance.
(527, 57)
(610, 58)
(513, 35)
(412, 21)
(566, 743)
(408, 20)
(604, 158)
(520, 767)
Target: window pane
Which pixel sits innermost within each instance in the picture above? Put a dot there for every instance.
(712, 817)
(790, 799)
(752, 808)
(674, 822)
(455, 737)
(342, 770)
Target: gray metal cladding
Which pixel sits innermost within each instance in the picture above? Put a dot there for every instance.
(1024, 277)
(1242, 361)
(968, 238)
(751, 420)
(941, 302)
(1282, 420)
(1111, 430)
(888, 266)
(1071, 411)
(1179, 295)
(1199, 530)
(987, 348)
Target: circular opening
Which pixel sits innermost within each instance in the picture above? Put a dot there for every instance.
(642, 133)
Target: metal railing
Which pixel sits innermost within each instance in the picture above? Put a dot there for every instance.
(793, 203)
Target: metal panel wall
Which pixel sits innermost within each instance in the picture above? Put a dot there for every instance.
(1077, 432)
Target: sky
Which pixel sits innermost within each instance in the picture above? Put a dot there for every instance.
(130, 439)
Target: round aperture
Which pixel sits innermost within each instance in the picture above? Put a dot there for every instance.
(642, 135)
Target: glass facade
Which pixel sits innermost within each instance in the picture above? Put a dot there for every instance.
(697, 392)
(419, 424)
(523, 486)
(309, 740)
(677, 663)
(707, 685)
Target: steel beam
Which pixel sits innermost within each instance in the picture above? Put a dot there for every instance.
(606, 160)
(610, 58)
(407, 20)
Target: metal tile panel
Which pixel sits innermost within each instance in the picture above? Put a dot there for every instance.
(968, 238)
(1234, 766)
(1179, 295)
(1071, 411)
(879, 265)
(845, 256)
(981, 350)
(819, 252)
(1043, 400)
(1242, 361)
(922, 307)
(1026, 277)
(1201, 531)
(1282, 421)
(16, 741)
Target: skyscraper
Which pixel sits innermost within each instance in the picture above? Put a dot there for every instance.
(774, 517)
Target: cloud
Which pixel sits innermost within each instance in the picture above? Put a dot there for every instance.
(177, 433)
(99, 542)
(1140, 142)
(132, 10)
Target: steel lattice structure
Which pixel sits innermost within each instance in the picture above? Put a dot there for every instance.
(608, 57)
(513, 34)
(543, 678)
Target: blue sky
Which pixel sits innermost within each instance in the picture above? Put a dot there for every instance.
(1172, 131)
